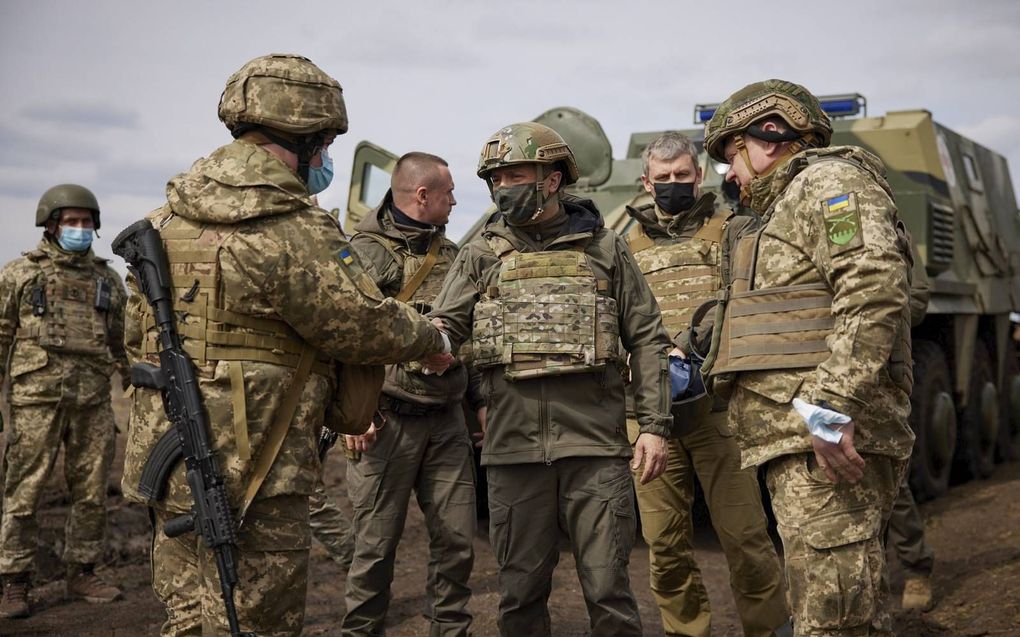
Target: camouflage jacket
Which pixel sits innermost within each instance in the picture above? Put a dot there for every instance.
(831, 220)
(285, 260)
(583, 414)
(43, 375)
(386, 266)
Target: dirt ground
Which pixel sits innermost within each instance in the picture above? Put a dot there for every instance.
(975, 531)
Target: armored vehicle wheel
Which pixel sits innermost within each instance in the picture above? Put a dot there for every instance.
(979, 421)
(933, 418)
(1009, 425)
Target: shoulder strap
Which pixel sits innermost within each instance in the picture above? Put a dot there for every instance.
(385, 244)
(411, 286)
(712, 230)
(278, 429)
(638, 239)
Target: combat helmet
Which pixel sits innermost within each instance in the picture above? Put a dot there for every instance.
(772, 98)
(66, 196)
(288, 99)
(526, 143)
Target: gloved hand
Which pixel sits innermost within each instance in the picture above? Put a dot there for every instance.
(818, 420)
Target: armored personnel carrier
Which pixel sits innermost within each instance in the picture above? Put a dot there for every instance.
(957, 200)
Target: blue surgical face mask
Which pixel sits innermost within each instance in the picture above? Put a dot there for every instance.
(75, 239)
(319, 178)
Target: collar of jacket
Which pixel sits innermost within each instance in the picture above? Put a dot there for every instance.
(583, 221)
(381, 222)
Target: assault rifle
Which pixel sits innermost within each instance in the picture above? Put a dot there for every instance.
(140, 245)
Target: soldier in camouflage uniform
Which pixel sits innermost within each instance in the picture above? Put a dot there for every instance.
(546, 297)
(678, 243)
(61, 338)
(816, 348)
(424, 445)
(266, 290)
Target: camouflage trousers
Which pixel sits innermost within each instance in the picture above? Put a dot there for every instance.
(734, 501)
(906, 535)
(34, 438)
(832, 536)
(591, 500)
(272, 570)
(331, 526)
(432, 456)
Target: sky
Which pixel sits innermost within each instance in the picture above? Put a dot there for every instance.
(121, 96)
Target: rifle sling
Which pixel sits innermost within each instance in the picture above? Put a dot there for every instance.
(278, 430)
(412, 285)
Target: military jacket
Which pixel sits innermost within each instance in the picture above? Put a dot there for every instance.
(276, 260)
(831, 226)
(393, 254)
(546, 418)
(61, 326)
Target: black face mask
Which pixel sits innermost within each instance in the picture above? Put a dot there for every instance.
(673, 197)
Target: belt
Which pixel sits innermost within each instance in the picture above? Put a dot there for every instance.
(407, 408)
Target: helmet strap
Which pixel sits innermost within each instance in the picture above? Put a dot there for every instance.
(304, 147)
(539, 178)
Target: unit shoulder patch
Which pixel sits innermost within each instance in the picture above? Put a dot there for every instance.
(348, 261)
(842, 219)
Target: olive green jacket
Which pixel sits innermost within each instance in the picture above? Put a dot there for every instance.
(548, 418)
(386, 266)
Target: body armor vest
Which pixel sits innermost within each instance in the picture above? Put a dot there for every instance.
(547, 315)
(70, 306)
(682, 275)
(210, 332)
(786, 327)
(426, 292)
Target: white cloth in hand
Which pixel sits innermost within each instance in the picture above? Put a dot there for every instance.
(818, 420)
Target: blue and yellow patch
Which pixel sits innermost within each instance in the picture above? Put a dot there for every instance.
(842, 223)
(345, 256)
(838, 203)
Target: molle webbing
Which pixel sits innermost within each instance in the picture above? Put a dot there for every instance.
(547, 315)
(209, 332)
(682, 275)
(422, 275)
(70, 323)
(773, 328)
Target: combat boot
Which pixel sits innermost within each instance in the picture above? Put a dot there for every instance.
(917, 594)
(83, 583)
(15, 601)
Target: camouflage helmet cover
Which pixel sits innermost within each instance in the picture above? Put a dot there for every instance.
(526, 143)
(66, 196)
(284, 92)
(771, 98)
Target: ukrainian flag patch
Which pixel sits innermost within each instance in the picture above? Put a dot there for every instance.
(346, 257)
(838, 203)
(842, 223)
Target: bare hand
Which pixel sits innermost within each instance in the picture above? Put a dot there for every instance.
(479, 436)
(839, 460)
(676, 351)
(362, 442)
(653, 452)
(438, 322)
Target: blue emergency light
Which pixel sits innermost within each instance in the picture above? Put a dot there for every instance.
(845, 105)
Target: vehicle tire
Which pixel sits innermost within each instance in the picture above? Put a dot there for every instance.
(979, 421)
(1009, 426)
(933, 419)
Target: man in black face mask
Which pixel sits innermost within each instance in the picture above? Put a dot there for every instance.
(552, 303)
(681, 243)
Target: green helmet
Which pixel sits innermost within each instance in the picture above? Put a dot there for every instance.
(771, 98)
(66, 196)
(526, 143)
(284, 92)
